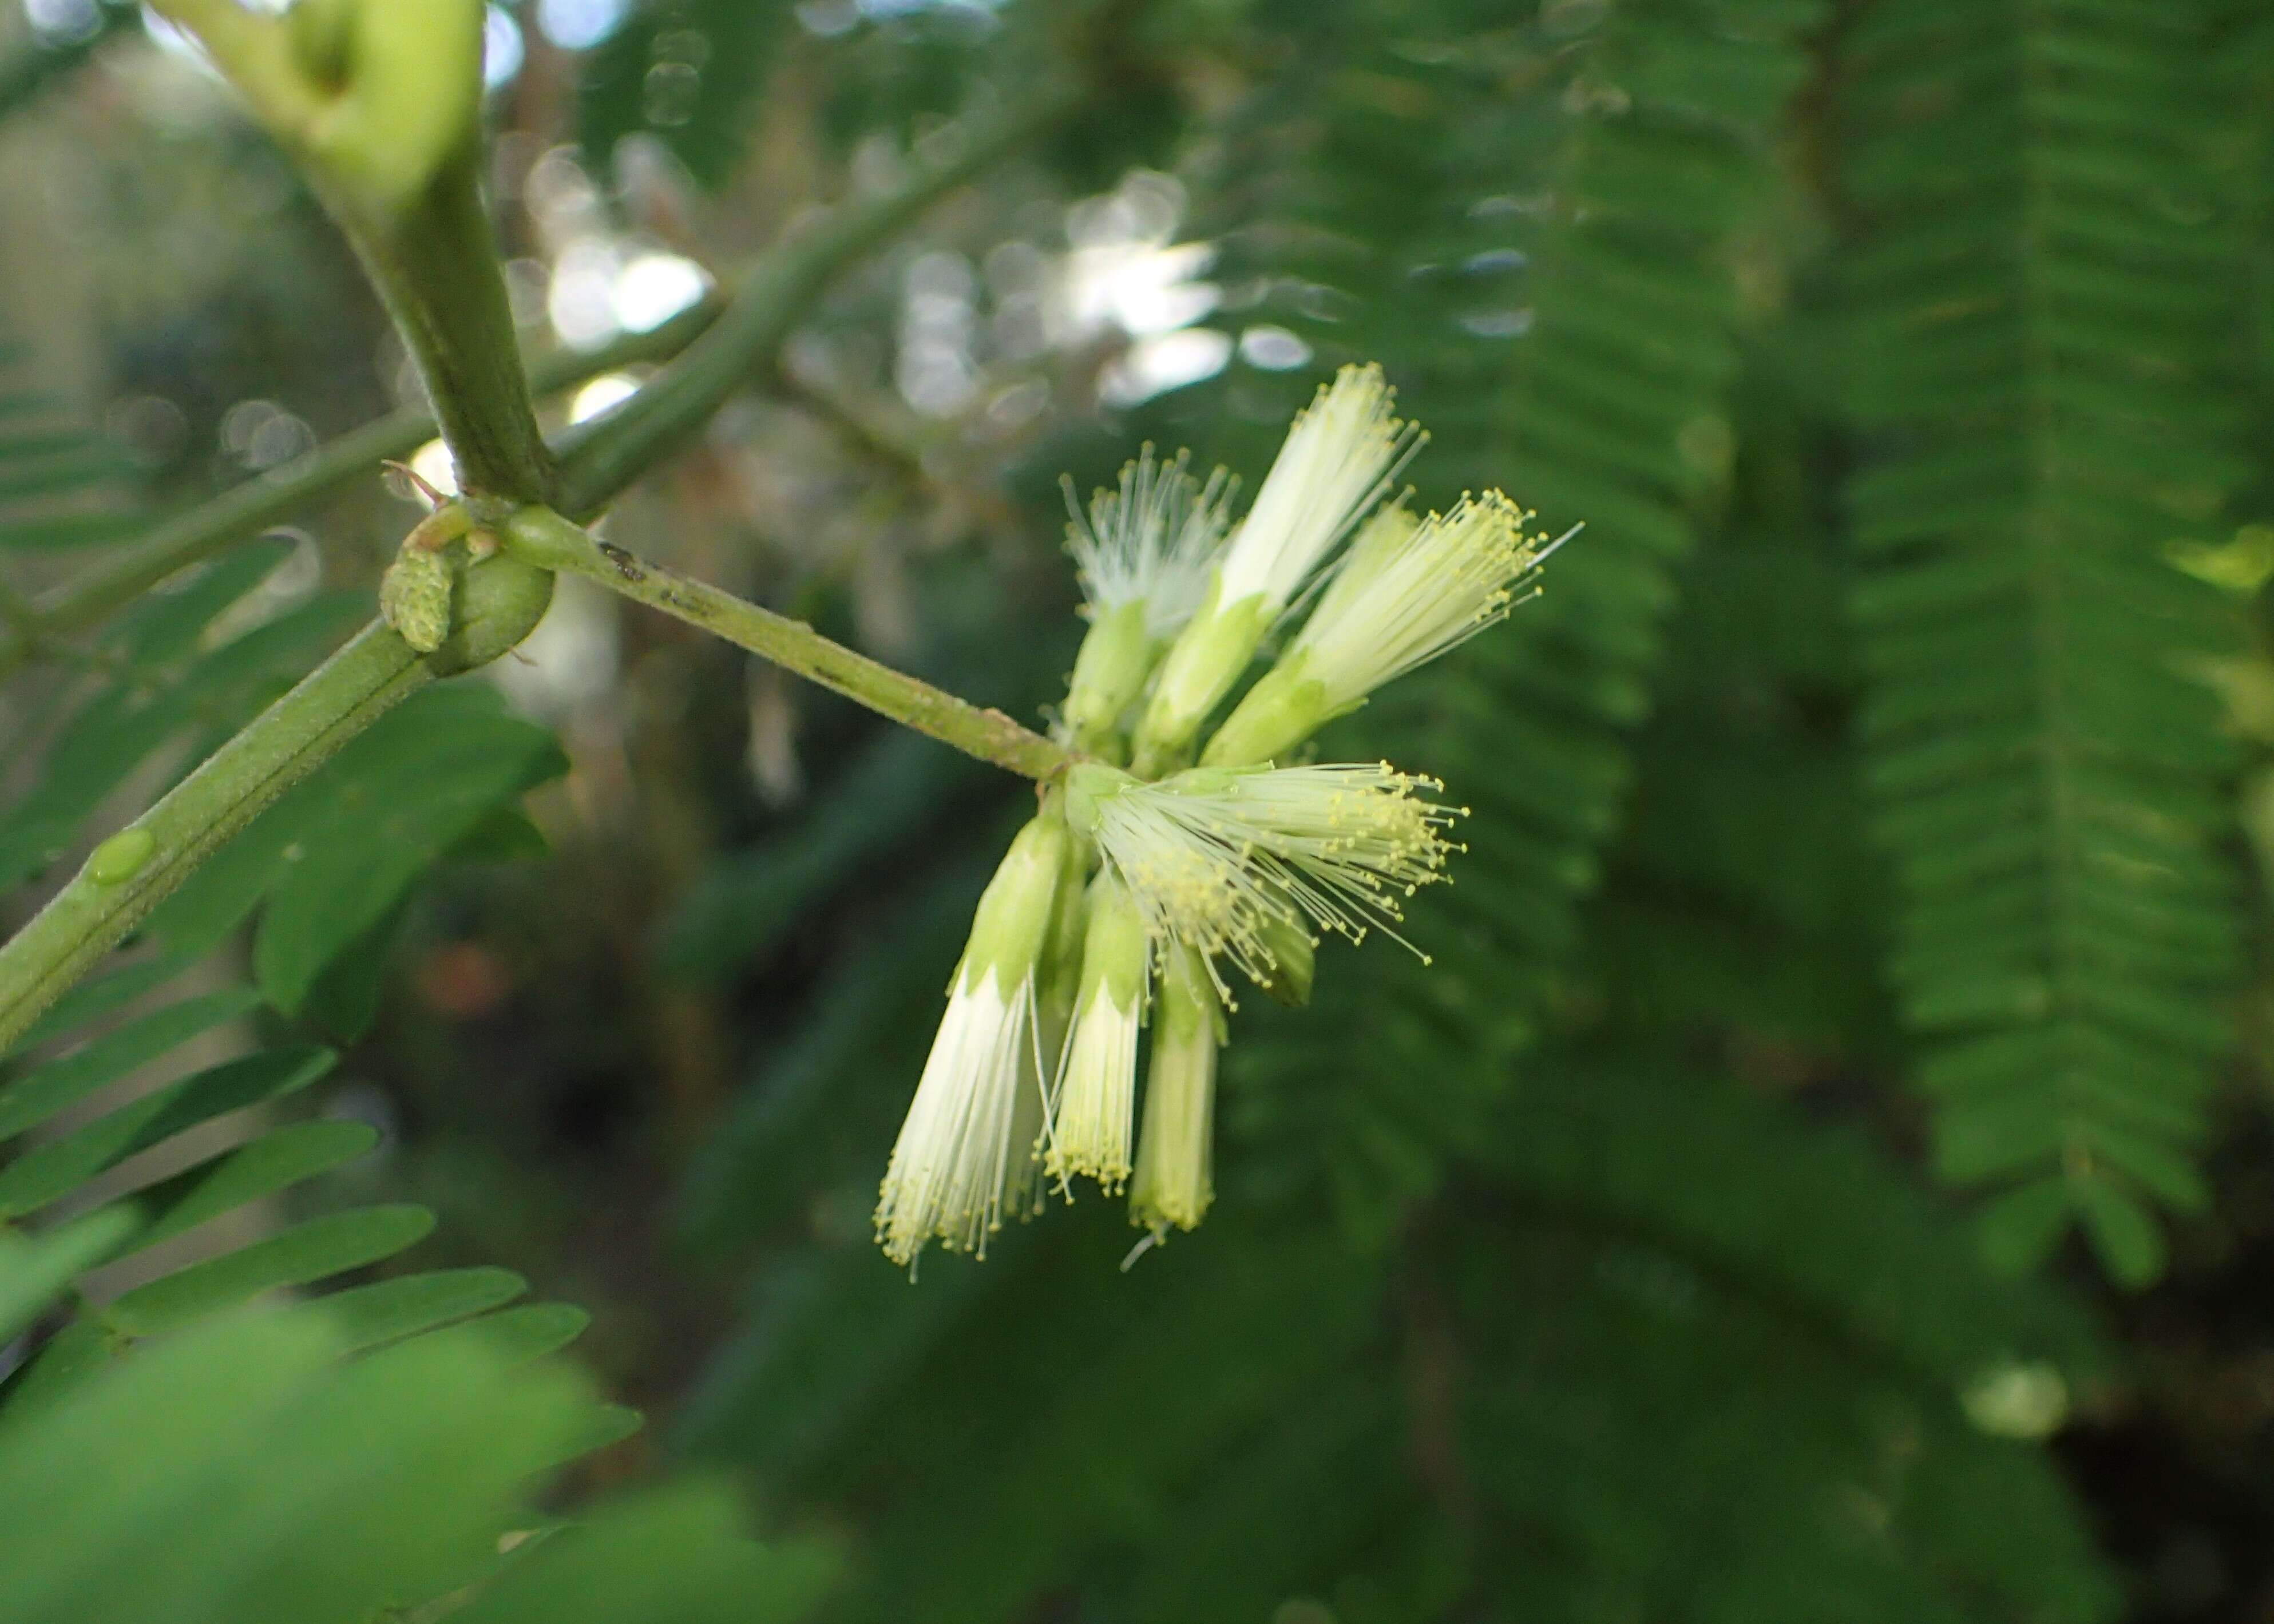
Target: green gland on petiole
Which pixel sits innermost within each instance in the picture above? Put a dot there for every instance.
(416, 594)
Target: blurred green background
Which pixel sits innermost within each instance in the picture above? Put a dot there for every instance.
(1863, 884)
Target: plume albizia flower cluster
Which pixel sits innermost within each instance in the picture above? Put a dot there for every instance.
(1171, 858)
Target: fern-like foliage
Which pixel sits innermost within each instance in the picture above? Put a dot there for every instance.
(1596, 1379)
(1553, 284)
(169, 1451)
(53, 1165)
(1578, 1337)
(123, 714)
(61, 485)
(264, 1467)
(2042, 251)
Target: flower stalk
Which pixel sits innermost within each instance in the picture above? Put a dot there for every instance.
(542, 537)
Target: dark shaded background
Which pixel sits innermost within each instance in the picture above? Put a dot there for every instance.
(1596, 1272)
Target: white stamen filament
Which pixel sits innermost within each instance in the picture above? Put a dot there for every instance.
(1153, 539)
(1406, 594)
(1215, 857)
(1097, 1094)
(968, 1153)
(1340, 456)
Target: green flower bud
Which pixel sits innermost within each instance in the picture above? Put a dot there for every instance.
(1175, 1179)
(409, 81)
(500, 602)
(1108, 674)
(323, 38)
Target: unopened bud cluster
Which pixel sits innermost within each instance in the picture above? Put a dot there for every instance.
(1171, 856)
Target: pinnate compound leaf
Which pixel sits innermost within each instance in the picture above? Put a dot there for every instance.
(315, 1249)
(52, 1170)
(382, 811)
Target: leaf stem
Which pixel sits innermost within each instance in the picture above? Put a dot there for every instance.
(500, 601)
(542, 537)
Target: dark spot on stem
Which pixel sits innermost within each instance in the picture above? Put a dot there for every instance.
(626, 565)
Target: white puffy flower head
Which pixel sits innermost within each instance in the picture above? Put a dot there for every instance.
(1222, 859)
(969, 1153)
(1338, 459)
(1152, 539)
(1093, 1106)
(1407, 593)
(964, 1158)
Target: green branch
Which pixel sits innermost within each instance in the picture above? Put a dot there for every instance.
(436, 269)
(501, 602)
(270, 498)
(135, 869)
(380, 105)
(600, 458)
(545, 540)
(597, 458)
